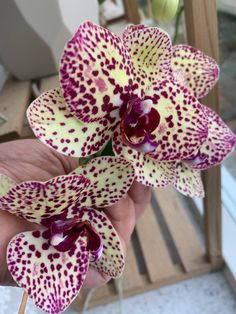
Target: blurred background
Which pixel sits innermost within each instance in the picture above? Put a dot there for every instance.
(32, 37)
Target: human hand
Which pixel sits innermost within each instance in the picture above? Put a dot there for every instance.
(24, 160)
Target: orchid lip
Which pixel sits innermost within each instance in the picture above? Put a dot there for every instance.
(65, 232)
(138, 122)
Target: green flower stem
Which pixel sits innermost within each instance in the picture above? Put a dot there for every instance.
(105, 151)
(177, 23)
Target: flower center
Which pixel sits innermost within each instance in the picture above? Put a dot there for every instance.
(64, 233)
(138, 122)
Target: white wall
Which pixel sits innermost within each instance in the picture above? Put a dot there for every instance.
(3, 76)
(227, 6)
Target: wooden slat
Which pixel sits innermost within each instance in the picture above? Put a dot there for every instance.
(131, 276)
(188, 245)
(14, 99)
(49, 83)
(156, 255)
(202, 31)
(131, 10)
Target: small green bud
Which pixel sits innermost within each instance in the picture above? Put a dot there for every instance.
(164, 10)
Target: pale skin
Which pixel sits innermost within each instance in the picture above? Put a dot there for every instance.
(24, 160)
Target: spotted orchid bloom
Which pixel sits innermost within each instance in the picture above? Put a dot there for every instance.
(51, 262)
(142, 94)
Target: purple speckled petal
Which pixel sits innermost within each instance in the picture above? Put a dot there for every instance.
(218, 145)
(6, 184)
(111, 261)
(193, 69)
(183, 124)
(35, 201)
(51, 278)
(95, 72)
(147, 171)
(56, 127)
(110, 177)
(150, 51)
(188, 181)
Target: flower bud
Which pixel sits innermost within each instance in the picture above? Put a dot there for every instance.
(164, 10)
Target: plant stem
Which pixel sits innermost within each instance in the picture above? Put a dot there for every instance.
(23, 303)
(87, 300)
(177, 22)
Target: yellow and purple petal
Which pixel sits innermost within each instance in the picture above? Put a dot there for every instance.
(52, 279)
(39, 201)
(95, 73)
(183, 123)
(110, 177)
(194, 69)
(218, 145)
(6, 184)
(111, 261)
(150, 51)
(147, 171)
(188, 181)
(56, 127)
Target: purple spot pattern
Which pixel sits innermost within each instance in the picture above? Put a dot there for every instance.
(193, 69)
(219, 143)
(95, 72)
(51, 278)
(187, 181)
(56, 127)
(111, 178)
(37, 201)
(150, 51)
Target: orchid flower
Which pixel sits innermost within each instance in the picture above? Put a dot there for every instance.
(51, 262)
(141, 93)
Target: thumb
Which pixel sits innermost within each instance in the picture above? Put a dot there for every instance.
(141, 196)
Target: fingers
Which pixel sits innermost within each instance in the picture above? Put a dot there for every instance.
(122, 216)
(24, 160)
(94, 279)
(141, 196)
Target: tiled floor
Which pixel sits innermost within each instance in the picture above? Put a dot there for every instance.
(209, 294)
